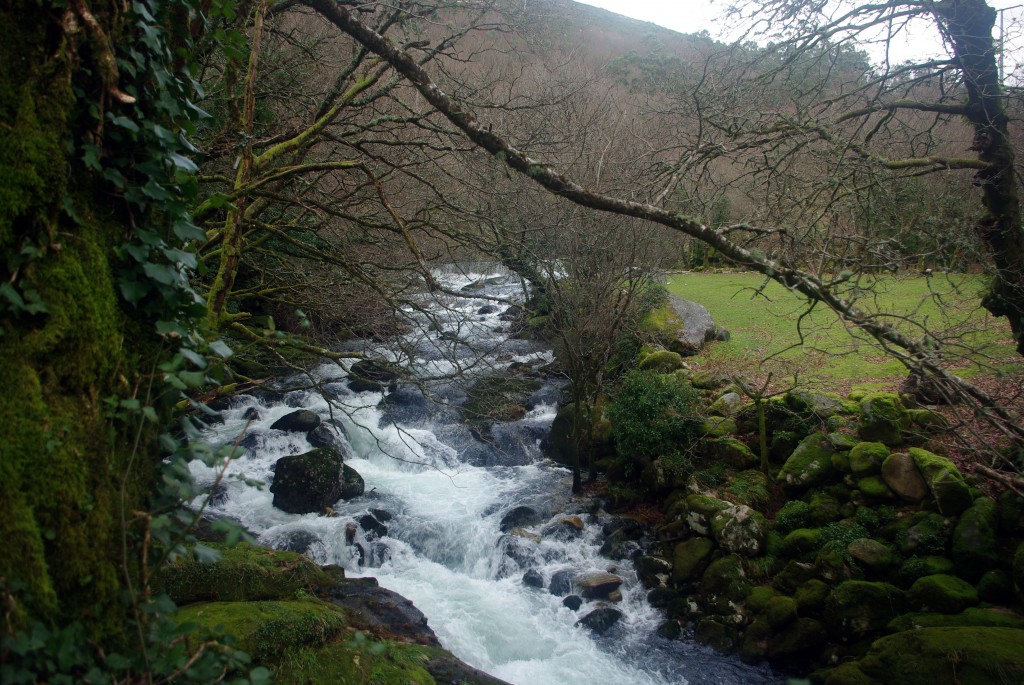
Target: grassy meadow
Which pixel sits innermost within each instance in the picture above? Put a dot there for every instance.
(772, 330)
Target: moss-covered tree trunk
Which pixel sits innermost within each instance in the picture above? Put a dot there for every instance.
(68, 479)
(968, 26)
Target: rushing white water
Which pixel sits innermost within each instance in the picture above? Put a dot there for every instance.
(446, 492)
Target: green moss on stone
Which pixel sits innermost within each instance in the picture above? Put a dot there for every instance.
(809, 465)
(945, 482)
(866, 458)
(801, 542)
(940, 656)
(662, 361)
(883, 418)
(974, 548)
(874, 488)
(942, 594)
(780, 611)
(730, 451)
(690, 558)
(975, 616)
(856, 608)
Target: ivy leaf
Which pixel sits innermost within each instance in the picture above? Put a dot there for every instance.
(183, 162)
(220, 348)
(161, 273)
(186, 230)
(133, 291)
(125, 123)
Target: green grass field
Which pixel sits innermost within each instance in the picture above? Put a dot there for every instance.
(772, 329)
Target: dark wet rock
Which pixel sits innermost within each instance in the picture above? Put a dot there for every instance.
(653, 571)
(856, 608)
(372, 528)
(600, 620)
(519, 517)
(533, 578)
(300, 421)
(561, 583)
(448, 669)
(568, 528)
(296, 399)
(942, 594)
(328, 436)
(597, 585)
(406, 403)
(367, 375)
(573, 602)
(518, 554)
(251, 414)
(296, 541)
(352, 483)
(511, 313)
(381, 515)
(487, 309)
(250, 443)
(306, 483)
(380, 552)
(382, 611)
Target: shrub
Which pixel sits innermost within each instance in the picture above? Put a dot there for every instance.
(656, 415)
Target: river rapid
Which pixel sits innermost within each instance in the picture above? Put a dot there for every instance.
(429, 523)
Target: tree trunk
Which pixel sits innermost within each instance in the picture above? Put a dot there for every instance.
(968, 26)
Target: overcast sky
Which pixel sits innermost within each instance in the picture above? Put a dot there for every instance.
(691, 16)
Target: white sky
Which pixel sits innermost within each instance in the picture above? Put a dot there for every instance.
(691, 16)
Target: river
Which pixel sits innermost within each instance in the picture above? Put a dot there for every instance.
(444, 492)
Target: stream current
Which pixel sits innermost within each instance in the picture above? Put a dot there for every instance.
(443, 488)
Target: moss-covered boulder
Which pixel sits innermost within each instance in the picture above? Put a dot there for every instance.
(870, 554)
(793, 514)
(923, 534)
(974, 540)
(680, 325)
(718, 426)
(561, 444)
(945, 482)
(661, 361)
(1011, 513)
(724, 585)
(739, 530)
(939, 656)
(809, 465)
(856, 608)
(700, 509)
(929, 419)
(298, 421)
(811, 597)
(866, 458)
(801, 542)
(243, 572)
(717, 634)
(875, 489)
(749, 487)
(730, 451)
(919, 566)
(901, 474)
(943, 594)
(802, 636)
(883, 418)
(820, 404)
(975, 616)
(780, 611)
(690, 558)
(726, 405)
(309, 482)
(995, 587)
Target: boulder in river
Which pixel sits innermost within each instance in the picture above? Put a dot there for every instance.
(352, 484)
(601, 620)
(519, 517)
(598, 585)
(306, 483)
(367, 375)
(299, 421)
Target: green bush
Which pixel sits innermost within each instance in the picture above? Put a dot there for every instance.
(656, 415)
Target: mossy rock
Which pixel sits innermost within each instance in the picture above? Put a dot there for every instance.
(820, 404)
(793, 514)
(755, 641)
(268, 630)
(780, 611)
(701, 509)
(793, 575)
(561, 446)
(801, 636)
(730, 451)
(1011, 513)
(975, 616)
(924, 534)
(809, 465)
(929, 419)
(995, 587)
(874, 488)
(691, 558)
(866, 458)
(801, 542)
(718, 426)
(883, 418)
(856, 608)
(824, 508)
(740, 530)
(945, 482)
(244, 572)
(757, 598)
(871, 554)
(811, 597)
(662, 361)
(901, 474)
(716, 634)
(920, 566)
(939, 656)
(841, 462)
(309, 482)
(726, 405)
(943, 594)
(498, 398)
(724, 585)
(974, 548)
(749, 487)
